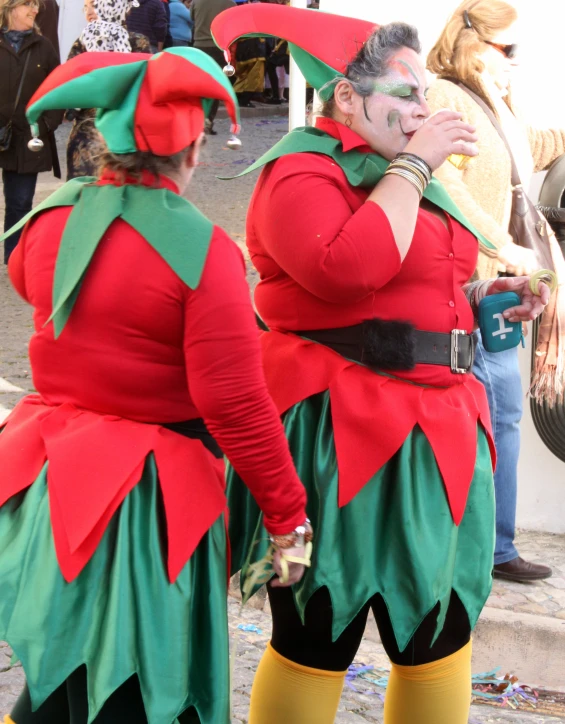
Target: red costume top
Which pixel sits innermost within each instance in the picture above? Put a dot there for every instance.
(142, 347)
(327, 258)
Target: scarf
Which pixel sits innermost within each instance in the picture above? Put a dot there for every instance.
(107, 32)
(16, 37)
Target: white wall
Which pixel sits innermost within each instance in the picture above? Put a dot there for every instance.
(541, 99)
(71, 23)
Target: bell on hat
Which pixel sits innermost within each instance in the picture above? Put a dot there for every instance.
(35, 144)
(154, 104)
(322, 44)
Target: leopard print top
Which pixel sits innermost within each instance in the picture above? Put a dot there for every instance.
(108, 33)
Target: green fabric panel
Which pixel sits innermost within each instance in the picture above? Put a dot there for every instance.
(121, 616)
(66, 195)
(396, 537)
(361, 169)
(82, 234)
(173, 226)
(103, 87)
(315, 71)
(117, 124)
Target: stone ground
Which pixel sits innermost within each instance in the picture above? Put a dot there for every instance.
(225, 203)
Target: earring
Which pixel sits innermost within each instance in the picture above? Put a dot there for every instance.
(348, 121)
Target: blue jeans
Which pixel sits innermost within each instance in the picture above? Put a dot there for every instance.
(500, 374)
(19, 190)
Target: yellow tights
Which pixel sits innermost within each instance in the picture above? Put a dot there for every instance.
(284, 692)
(436, 693)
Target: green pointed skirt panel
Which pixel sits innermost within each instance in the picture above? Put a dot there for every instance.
(396, 537)
(121, 616)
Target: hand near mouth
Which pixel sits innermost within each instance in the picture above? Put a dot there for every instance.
(442, 135)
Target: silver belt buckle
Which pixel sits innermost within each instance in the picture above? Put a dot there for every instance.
(455, 334)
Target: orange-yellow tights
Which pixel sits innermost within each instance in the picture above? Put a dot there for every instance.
(436, 693)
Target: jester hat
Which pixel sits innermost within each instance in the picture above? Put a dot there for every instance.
(322, 44)
(145, 103)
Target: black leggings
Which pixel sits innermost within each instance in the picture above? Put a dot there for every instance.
(311, 645)
(69, 705)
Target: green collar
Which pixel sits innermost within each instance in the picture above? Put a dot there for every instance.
(175, 228)
(361, 169)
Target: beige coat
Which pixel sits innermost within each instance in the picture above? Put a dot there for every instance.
(482, 190)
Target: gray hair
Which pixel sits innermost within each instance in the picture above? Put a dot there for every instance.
(371, 62)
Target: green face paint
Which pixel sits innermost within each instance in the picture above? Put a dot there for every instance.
(397, 89)
(392, 118)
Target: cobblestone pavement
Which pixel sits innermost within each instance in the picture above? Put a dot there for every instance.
(226, 203)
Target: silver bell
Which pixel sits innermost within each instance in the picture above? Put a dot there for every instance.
(233, 143)
(229, 70)
(35, 145)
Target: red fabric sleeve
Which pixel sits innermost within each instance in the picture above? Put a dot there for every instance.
(313, 235)
(227, 385)
(16, 267)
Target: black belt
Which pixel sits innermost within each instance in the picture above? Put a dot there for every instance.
(197, 430)
(392, 345)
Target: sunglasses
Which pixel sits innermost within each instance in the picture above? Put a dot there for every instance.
(509, 51)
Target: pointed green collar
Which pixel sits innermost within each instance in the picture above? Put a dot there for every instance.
(175, 228)
(361, 169)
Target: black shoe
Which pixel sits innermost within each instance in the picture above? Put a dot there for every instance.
(209, 128)
(274, 101)
(522, 571)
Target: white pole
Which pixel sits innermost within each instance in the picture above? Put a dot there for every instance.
(297, 87)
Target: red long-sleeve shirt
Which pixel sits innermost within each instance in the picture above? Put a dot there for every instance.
(327, 256)
(141, 345)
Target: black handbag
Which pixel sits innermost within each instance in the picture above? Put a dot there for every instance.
(6, 131)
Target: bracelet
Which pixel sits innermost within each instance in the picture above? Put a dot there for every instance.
(475, 291)
(423, 165)
(409, 176)
(399, 163)
(298, 537)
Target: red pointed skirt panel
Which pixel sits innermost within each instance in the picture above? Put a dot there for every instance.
(94, 462)
(373, 414)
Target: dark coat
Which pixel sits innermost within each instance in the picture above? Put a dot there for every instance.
(43, 59)
(48, 21)
(149, 19)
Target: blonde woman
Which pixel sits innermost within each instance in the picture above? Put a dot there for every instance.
(478, 50)
(22, 47)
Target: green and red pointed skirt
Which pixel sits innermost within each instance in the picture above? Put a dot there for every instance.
(414, 529)
(114, 586)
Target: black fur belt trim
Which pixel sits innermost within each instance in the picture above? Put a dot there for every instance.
(396, 345)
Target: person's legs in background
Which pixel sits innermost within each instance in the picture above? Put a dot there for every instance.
(218, 56)
(500, 374)
(19, 190)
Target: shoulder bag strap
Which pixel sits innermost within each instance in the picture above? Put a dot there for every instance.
(495, 122)
(19, 94)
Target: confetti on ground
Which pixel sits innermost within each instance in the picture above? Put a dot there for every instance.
(250, 627)
(488, 688)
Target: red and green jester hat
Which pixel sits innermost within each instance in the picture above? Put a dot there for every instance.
(145, 103)
(322, 45)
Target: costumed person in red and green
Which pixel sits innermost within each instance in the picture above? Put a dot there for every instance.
(147, 365)
(364, 262)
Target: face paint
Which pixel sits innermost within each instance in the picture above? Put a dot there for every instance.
(410, 70)
(396, 89)
(392, 118)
